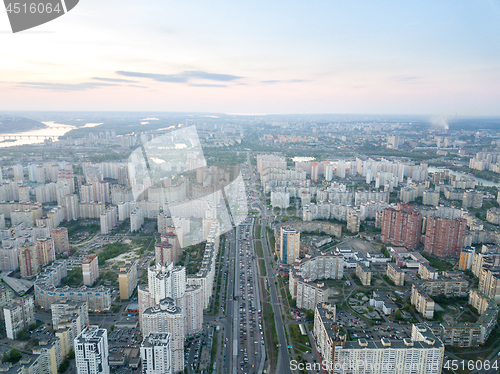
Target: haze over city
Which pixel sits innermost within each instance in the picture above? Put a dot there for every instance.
(278, 187)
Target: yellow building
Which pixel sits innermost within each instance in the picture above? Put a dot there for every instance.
(364, 274)
(466, 257)
(127, 279)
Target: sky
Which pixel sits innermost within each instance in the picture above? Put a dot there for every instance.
(259, 57)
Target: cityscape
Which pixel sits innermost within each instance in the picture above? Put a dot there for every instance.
(264, 187)
(351, 245)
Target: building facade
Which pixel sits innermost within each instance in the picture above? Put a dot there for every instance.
(396, 274)
(445, 237)
(127, 279)
(91, 351)
(288, 246)
(401, 226)
(156, 354)
(90, 269)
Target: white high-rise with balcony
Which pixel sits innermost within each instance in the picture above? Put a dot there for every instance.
(91, 351)
(156, 354)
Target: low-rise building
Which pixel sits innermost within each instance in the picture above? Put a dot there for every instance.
(422, 302)
(469, 334)
(364, 274)
(307, 293)
(422, 354)
(427, 272)
(451, 285)
(396, 274)
(489, 282)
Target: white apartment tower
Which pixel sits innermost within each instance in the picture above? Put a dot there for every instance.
(166, 317)
(156, 354)
(91, 351)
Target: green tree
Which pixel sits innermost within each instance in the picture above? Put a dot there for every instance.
(23, 335)
(5, 357)
(309, 314)
(14, 356)
(397, 315)
(63, 367)
(406, 307)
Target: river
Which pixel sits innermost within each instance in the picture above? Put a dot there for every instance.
(53, 129)
(484, 182)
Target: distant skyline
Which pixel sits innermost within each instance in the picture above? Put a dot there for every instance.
(260, 57)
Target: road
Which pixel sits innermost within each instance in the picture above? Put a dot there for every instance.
(283, 365)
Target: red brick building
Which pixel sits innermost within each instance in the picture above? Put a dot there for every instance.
(401, 226)
(445, 237)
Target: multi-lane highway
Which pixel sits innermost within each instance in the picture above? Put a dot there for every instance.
(247, 331)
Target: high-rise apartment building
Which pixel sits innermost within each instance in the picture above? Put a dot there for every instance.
(61, 239)
(9, 258)
(123, 177)
(164, 253)
(70, 205)
(445, 237)
(24, 193)
(166, 317)
(193, 309)
(63, 308)
(288, 245)
(86, 193)
(127, 279)
(431, 198)
(466, 258)
(91, 351)
(136, 219)
(18, 172)
(156, 354)
(270, 161)
(19, 314)
(45, 250)
(90, 269)
(472, 199)
(353, 220)
(109, 219)
(66, 176)
(401, 226)
(314, 171)
(28, 260)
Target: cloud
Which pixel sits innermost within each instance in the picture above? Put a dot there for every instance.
(183, 77)
(206, 85)
(212, 77)
(66, 86)
(113, 80)
(273, 81)
(157, 77)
